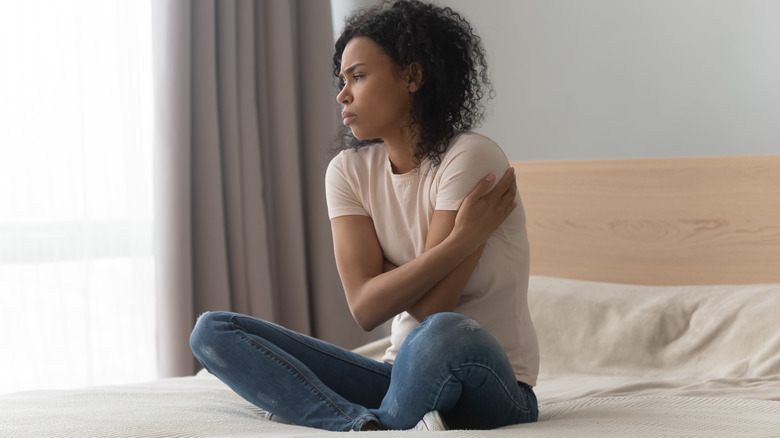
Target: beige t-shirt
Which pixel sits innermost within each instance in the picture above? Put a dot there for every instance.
(401, 206)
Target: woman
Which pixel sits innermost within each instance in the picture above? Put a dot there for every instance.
(423, 233)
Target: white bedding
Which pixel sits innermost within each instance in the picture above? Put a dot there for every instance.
(617, 361)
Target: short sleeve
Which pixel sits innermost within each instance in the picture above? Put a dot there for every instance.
(340, 192)
(470, 159)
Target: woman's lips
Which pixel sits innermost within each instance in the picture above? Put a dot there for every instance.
(348, 117)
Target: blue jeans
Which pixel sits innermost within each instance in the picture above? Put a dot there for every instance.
(448, 364)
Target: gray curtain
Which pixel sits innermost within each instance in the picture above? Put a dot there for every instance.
(245, 115)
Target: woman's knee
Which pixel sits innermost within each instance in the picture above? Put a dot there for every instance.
(203, 338)
(442, 331)
(451, 325)
(445, 340)
(446, 319)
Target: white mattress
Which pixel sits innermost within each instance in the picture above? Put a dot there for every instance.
(202, 406)
(617, 361)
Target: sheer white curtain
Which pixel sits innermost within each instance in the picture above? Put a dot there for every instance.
(76, 262)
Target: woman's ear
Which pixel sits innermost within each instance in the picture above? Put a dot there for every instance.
(414, 77)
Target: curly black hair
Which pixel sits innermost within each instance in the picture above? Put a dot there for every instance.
(452, 59)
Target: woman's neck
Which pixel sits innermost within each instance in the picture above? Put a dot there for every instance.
(400, 151)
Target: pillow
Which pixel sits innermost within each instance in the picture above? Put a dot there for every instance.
(616, 329)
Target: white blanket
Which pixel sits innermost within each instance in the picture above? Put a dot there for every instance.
(616, 361)
(601, 339)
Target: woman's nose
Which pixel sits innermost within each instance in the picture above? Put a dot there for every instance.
(344, 97)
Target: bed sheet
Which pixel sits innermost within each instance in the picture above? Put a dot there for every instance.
(201, 406)
(617, 360)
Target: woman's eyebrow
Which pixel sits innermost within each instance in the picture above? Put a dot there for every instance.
(351, 68)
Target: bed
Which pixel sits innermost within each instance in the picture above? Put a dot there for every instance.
(655, 292)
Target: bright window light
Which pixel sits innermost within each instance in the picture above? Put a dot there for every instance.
(76, 261)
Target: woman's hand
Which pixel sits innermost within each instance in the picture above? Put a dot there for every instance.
(483, 210)
(376, 290)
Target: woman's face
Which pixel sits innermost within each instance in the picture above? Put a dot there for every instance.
(375, 96)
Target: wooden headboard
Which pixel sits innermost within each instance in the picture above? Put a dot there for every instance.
(670, 221)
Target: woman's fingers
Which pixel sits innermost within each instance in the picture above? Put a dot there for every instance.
(482, 188)
(507, 185)
(503, 195)
(497, 202)
(486, 207)
(505, 191)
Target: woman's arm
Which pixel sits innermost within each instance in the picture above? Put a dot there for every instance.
(375, 296)
(445, 295)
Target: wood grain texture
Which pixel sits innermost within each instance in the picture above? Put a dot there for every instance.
(669, 221)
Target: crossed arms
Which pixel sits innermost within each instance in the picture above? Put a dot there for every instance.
(432, 282)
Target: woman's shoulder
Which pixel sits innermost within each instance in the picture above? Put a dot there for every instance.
(473, 146)
(366, 156)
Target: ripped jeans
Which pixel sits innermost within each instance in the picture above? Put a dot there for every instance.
(448, 364)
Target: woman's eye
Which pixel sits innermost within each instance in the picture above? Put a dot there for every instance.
(354, 78)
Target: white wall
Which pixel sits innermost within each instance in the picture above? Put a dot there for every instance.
(590, 79)
(341, 9)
